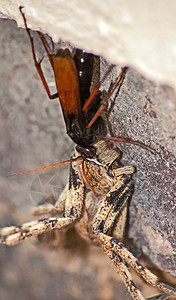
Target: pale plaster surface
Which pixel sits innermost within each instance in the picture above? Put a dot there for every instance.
(137, 33)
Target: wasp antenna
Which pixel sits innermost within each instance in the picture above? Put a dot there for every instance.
(130, 141)
(46, 167)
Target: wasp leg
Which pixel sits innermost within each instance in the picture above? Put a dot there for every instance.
(36, 62)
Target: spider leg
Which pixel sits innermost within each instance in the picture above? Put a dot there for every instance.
(162, 296)
(117, 252)
(110, 210)
(115, 201)
(14, 234)
(146, 275)
(73, 210)
(112, 206)
(45, 209)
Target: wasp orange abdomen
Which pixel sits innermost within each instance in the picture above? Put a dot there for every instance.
(67, 82)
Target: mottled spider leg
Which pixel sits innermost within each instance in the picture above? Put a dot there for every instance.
(73, 209)
(125, 274)
(112, 206)
(146, 275)
(121, 252)
(115, 200)
(14, 234)
(76, 191)
(163, 296)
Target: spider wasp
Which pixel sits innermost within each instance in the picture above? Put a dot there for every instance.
(100, 187)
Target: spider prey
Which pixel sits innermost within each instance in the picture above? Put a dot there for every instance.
(98, 193)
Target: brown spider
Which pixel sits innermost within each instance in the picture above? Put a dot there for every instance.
(99, 218)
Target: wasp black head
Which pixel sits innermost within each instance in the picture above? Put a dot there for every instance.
(88, 152)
